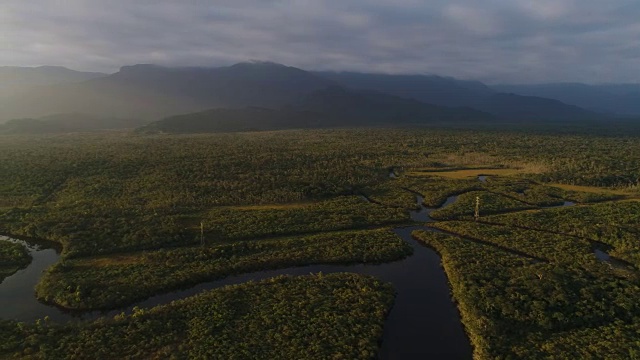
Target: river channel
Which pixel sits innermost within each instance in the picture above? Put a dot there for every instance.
(423, 323)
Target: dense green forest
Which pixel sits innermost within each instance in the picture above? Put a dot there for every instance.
(338, 316)
(111, 281)
(614, 224)
(141, 214)
(519, 307)
(13, 257)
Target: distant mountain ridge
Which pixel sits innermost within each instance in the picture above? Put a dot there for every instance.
(430, 89)
(512, 106)
(622, 99)
(330, 107)
(151, 92)
(445, 91)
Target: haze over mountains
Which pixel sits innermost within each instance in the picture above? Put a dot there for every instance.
(66, 123)
(334, 106)
(622, 99)
(14, 79)
(296, 98)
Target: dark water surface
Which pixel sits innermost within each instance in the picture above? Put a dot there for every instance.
(424, 322)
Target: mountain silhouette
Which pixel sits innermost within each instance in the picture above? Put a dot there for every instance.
(333, 106)
(152, 92)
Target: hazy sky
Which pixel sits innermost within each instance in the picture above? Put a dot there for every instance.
(490, 40)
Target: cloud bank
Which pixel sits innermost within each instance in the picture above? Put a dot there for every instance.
(519, 41)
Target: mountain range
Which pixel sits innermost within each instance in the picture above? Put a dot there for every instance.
(334, 106)
(277, 94)
(620, 99)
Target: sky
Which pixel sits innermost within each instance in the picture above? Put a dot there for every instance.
(496, 41)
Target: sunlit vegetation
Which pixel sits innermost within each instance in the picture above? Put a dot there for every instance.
(517, 307)
(490, 203)
(224, 223)
(549, 195)
(594, 189)
(13, 256)
(616, 224)
(468, 173)
(547, 247)
(116, 192)
(435, 190)
(337, 316)
(391, 194)
(111, 281)
(141, 215)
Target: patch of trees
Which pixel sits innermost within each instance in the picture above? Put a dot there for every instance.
(13, 256)
(517, 307)
(337, 316)
(117, 280)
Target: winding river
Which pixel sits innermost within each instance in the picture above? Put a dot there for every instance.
(423, 323)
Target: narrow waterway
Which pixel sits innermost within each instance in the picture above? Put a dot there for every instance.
(17, 294)
(423, 323)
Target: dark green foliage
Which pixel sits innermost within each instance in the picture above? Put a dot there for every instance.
(335, 214)
(112, 281)
(13, 256)
(96, 197)
(391, 194)
(555, 248)
(128, 209)
(525, 190)
(435, 190)
(338, 316)
(514, 307)
(614, 223)
(490, 203)
(540, 195)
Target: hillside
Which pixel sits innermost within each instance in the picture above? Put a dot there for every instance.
(64, 123)
(446, 91)
(622, 99)
(152, 92)
(232, 120)
(330, 107)
(517, 108)
(426, 88)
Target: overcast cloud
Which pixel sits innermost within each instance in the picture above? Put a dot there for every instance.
(490, 40)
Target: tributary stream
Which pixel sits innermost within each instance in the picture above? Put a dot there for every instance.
(424, 322)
